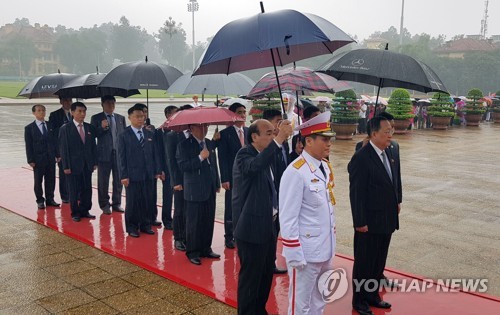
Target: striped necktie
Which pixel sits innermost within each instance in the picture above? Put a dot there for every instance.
(141, 138)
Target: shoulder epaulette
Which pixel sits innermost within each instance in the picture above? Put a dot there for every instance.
(298, 164)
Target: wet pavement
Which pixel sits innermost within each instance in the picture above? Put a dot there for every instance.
(450, 227)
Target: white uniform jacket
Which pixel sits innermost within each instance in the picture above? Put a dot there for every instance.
(306, 211)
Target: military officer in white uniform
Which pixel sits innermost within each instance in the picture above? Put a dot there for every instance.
(307, 217)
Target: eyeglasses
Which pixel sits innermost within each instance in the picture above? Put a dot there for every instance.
(389, 132)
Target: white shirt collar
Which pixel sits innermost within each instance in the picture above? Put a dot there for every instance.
(76, 123)
(39, 122)
(311, 160)
(379, 152)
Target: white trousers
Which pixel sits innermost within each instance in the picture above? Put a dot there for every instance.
(304, 297)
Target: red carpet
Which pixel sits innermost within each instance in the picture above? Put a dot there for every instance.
(215, 278)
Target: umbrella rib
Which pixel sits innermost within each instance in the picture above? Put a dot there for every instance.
(324, 44)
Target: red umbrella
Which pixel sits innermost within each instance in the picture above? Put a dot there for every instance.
(201, 115)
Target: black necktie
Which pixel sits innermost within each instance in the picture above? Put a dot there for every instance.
(322, 169)
(44, 129)
(141, 138)
(274, 193)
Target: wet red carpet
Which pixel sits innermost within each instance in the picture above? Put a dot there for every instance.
(215, 278)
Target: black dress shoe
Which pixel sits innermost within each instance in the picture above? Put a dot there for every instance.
(229, 244)
(156, 223)
(168, 226)
(106, 211)
(133, 234)
(195, 261)
(363, 309)
(52, 203)
(211, 255)
(150, 232)
(278, 271)
(40, 205)
(76, 219)
(88, 215)
(118, 209)
(65, 200)
(380, 304)
(180, 246)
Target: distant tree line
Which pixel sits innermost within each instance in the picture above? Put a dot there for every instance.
(104, 46)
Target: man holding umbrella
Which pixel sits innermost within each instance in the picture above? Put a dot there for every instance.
(56, 120)
(108, 126)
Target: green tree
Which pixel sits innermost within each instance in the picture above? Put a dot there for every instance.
(127, 42)
(172, 44)
(20, 52)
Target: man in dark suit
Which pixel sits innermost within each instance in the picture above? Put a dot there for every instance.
(255, 204)
(139, 168)
(232, 139)
(172, 139)
(198, 163)
(108, 126)
(79, 158)
(167, 192)
(280, 163)
(57, 119)
(42, 153)
(375, 195)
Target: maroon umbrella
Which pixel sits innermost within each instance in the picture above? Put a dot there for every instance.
(200, 115)
(297, 79)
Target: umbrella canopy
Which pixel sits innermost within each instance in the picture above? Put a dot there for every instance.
(46, 85)
(146, 74)
(383, 68)
(297, 79)
(200, 115)
(86, 86)
(219, 84)
(268, 39)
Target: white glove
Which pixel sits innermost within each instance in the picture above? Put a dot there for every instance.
(297, 264)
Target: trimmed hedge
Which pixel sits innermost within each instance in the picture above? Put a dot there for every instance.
(400, 105)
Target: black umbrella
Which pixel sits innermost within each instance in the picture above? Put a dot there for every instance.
(141, 75)
(86, 86)
(46, 85)
(270, 39)
(383, 68)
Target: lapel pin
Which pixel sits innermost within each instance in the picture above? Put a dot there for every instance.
(314, 180)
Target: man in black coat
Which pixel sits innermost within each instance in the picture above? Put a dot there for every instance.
(167, 192)
(172, 139)
(255, 204)
(197, 161)
(232, 139)
(376, 195)
(139, 168)
(108, 126)
(57, 119)
(79, 159)
(42, 153)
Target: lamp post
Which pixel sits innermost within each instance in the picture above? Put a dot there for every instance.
(193, 6)
(401, 26)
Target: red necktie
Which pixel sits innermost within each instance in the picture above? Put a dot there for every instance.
(242, 140)
(82, 134)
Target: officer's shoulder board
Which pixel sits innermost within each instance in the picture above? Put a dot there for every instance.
(298, 164)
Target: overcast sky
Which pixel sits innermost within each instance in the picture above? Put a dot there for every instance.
(355, 17)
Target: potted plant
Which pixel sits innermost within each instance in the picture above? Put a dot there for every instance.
(401, 107)
(259, 106)
(345, 115)
(495, 109)
(474, 109)
(441, 111)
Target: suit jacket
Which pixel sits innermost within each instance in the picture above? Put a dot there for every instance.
(279, 166)
(229, 145)
(76, 155)
(374, 197)
(58, 118)
(138, 163)
(172, 139)
(200, 178)
(104, 137)
(39, 149)
(252, 194)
